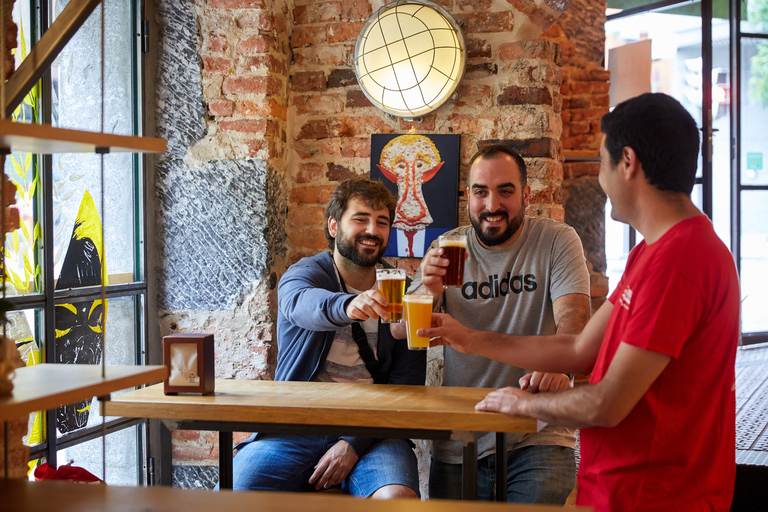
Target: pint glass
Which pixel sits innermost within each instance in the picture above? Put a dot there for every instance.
(391, 283)
(418, 315)
(454, 247)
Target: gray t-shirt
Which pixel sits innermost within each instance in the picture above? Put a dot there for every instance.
(511, 290)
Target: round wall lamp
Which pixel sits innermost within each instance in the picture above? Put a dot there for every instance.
(409, 57)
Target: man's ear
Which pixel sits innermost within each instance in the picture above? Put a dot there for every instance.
(629, 164)
(527, 195)
(333, 227)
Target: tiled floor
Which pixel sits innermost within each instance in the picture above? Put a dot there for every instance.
(752, 406)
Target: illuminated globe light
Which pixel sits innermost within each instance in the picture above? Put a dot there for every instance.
(409, 57)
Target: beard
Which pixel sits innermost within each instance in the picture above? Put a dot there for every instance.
(497, 236)
(363, 258)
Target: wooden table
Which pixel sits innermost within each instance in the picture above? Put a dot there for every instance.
(21, 496)
(319, 408)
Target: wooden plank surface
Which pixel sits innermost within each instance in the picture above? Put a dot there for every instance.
(45, 139)
(45, 386)
(22, 496)
(322, 403)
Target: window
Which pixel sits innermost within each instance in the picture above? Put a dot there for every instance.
(80, 212)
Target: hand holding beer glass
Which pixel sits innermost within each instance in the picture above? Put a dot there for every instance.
(418, 315)
(391, 283)
(454, 248)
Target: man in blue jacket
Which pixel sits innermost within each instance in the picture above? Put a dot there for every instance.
(322, 302)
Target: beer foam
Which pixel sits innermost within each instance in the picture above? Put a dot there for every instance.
(453, 243)
(389, 277)
(418, 299)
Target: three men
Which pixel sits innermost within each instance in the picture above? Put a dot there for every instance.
(523, 276)
(328, 312)
(658, 418)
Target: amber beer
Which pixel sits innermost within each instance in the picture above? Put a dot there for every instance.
(454, 247)
(392, 286)
(418, 315)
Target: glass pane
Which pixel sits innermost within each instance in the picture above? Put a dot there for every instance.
(754, 111)
(754, 16)
(122, 458)
(78, 341)
(76, 77)
(754, 261)
(22, 328)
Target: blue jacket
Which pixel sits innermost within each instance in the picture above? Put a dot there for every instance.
(311, 307)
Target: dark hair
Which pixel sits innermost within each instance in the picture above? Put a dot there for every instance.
(663, 135)
(372, 193)
(497, 149)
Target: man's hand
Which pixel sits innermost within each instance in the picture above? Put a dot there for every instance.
(449, 332)
(369, 304)
(541, 381)
(334, 466)
(507, 400)
(433, 268)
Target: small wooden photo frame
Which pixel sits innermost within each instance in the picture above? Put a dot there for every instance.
(189, 359)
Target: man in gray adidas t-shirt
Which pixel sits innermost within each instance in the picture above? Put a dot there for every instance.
(522, 276)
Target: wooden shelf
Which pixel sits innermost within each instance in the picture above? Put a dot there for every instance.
(46, 386)
(581, 155)
(45, 139)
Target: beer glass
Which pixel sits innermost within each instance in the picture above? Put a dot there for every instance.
(391, 283)
(454, 247)
(418, 315)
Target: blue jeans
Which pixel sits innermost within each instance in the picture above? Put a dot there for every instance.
(285, 463)
(535, 474)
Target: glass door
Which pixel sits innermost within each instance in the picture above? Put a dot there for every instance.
(749, 45)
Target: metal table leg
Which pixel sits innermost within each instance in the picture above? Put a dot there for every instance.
(469, 470)
(225, 460)
(501, 466)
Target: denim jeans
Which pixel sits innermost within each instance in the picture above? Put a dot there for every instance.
(285, 463)
(535, 474)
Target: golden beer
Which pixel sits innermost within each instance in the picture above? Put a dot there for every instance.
(418, 315)
(391, 283)
(454, 247)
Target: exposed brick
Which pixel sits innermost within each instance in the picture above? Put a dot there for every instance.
(307, 36)
(300, 15)
(577, 169)
(538, 49)
(215, 44)
(475, 71)
(309, 172)
(255, 44)
(330, 147)
(236, 4)
(259, 63)
(308, 81)
(328, 11)
(601, 100)
(427, 124)
(221, 108)
(359, 147)
(357, 99)
(216, 64)
(539, 147)
(262, 108)
(600, 74)
(306, 216)
(264, 149)
(339, 172)
(317, 129)
(251, 85)
(313, 238)
(525, 96)
(259, 126)
(355, 10)
(258, 20)
(324, 104)
(341, 78)
(478, 48)
(584, 114)
(311, 194)
(487, 22)
(345, 31)
(475, 5)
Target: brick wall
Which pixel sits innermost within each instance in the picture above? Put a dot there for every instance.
(580, 32)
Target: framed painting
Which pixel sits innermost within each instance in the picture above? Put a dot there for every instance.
(422, 172)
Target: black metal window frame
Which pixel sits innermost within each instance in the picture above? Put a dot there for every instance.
(46, 300)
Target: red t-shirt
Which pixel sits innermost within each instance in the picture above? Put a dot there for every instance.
(676, 449)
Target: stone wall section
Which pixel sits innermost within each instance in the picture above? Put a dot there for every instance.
(580, 32)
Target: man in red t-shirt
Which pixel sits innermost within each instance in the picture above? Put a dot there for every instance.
(658, 416)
